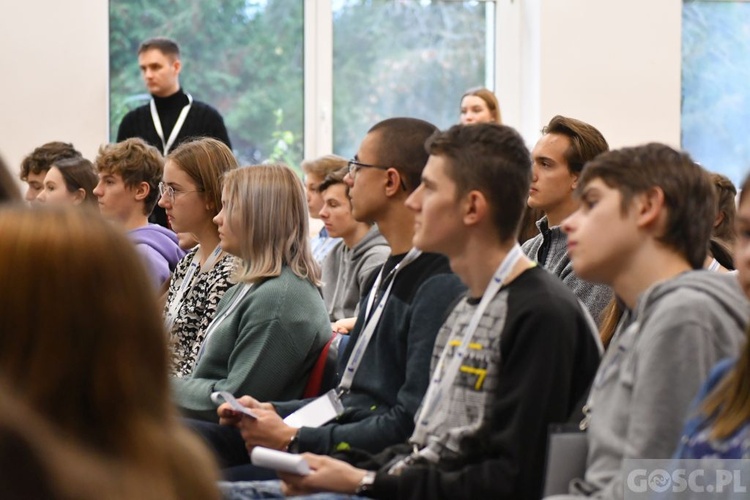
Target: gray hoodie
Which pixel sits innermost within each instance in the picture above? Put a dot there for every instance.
(345, 271)
(653, 369)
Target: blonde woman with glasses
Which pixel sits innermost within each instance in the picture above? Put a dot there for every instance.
(191, 195)
(270, 328)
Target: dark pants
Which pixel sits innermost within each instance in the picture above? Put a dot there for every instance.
(230, 452)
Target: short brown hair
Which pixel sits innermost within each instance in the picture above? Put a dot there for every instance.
(324, 165)
(586, 142)
(335, 177)
(42, 158)
(492, 159)
(725, 205)
(689, 196)
(165, 45)
(135, 161)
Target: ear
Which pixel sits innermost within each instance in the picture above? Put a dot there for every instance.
(650, 207)
(79, 196)
(393, 182)
(177, 64)
(719, 219)
(474, 208)
(141, 191)
(575, 177)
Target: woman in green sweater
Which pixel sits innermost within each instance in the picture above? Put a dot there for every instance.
(268, 329)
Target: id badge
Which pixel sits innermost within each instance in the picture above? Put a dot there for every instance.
(318, 412)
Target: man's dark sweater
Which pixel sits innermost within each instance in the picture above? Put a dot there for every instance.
(202, 120)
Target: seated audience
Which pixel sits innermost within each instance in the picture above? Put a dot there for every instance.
(557, 160)
(270, 328)
(643, 227)
(315, 171)
(352, 260)
(34, 167)
(514, 356)
(70, 182)
(719, 424)
(191, 196)
(82, 342)
(129, 176)
(384, 369)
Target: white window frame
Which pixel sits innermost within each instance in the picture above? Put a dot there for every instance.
(503, 40)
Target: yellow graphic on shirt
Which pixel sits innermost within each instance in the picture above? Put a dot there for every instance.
(480, 373)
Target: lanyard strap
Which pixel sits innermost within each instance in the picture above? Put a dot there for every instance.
(219, 319)
(443, 380)
(187, 284)
(177, 126)
(372, 321)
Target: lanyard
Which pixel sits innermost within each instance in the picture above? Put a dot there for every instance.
(218, 320)
(177, 126)
(372, 321)
(187, 284)
(442, 381)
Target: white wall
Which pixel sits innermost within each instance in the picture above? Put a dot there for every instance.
(54, 83)
(613, 63)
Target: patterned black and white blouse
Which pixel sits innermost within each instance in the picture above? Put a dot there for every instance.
(197, 310)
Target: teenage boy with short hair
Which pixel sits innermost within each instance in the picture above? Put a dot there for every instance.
(643, 227)
(513, 356)
(557, 159)
(128, 189)
(35, 166)
(315, 172)
(347, 268)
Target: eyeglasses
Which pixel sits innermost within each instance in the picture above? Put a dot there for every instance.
(172, 192)
(355, 165)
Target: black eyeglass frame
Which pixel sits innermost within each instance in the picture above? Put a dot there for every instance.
(354, 165)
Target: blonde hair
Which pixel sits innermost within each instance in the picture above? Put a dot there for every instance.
(82, 316)
(324, 165)
(266, 205)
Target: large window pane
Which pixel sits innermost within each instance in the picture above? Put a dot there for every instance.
(404, 58)
(715, 91)
(244, 57)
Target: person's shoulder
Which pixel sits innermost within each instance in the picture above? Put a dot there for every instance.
(205, 108)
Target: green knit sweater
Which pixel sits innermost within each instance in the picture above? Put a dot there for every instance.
(264, 348)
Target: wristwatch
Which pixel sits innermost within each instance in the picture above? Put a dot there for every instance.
(366, 484)
(293, 446)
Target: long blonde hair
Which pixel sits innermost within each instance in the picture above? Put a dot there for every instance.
(82, 344)
(266, 205)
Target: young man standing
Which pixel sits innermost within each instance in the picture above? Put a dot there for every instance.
(512, 357)
(350, 263)
(128, 188)
(557, 159)
(35, 166)
(172, 116)
(385, 367)
(643, 228)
